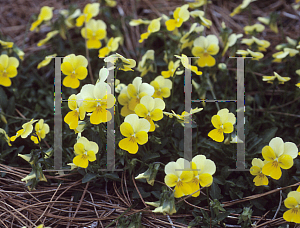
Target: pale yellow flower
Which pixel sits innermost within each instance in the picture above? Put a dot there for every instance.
(45, 15)
(48, 37)
(46, 61)
(281, 79)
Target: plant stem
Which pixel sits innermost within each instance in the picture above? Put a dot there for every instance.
(211, 89)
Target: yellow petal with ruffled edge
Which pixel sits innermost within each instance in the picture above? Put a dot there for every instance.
(217, 135)
(126, 129)
(129, 144)
(227, 128)
(71, 82)
(72, 119)
(205, 179)
(91, 156)
(141, 110)
(178, 191)
(81, 161)
(255, 170)
(171, 180)
(157, 114)
(216, 121)
(194, 184)
(171, 24)
(292, 215)
(125, 111)
(285, 161)
(268, 153)
(260, 180)
(141, 137)
(272, 169)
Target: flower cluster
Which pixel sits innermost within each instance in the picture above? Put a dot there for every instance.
(278, 155)
(187, 177)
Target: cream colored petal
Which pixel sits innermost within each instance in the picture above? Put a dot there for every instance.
(290, 149)
(258, 162)
(277, 145)
(148, 102)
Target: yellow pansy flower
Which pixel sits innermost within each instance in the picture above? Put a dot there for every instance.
(180, 175)
(255, 55)
(97, 99)
(185, 62)
(125, 65)
(281, 80)
(135, 130)
(111, 3)
(262, 44)
(6, 44)
(197, 3)
(241, 7)
(46, 61)
(41, 129)
(203, 169)
(94, 31)
(171, 69)
(69, 21)
(137, 90)
(181, 118)
(75, 104)
(187, 39)
(162, 87)
(256, 170)
(267, 21)
(151, 109)
(8, 69)
(278, 56)
(154, 26)
(223, 122)
(75, 69)
(90, 10)
(45, 15)
(293, 203)
(204, 21)
(147, 63)
(278, 155)
(48, 37)
(256, 27)
(232, 39)
(25, 131)
(181, 14)
(85, 152)
(135, 22)
(204, 47)
(112, 45)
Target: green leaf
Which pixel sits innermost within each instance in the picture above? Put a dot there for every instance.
(88, 177)
(3, 99)
(268, 134)
(112, 176)
(144, 194)
(215, 191)
(222, 216)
